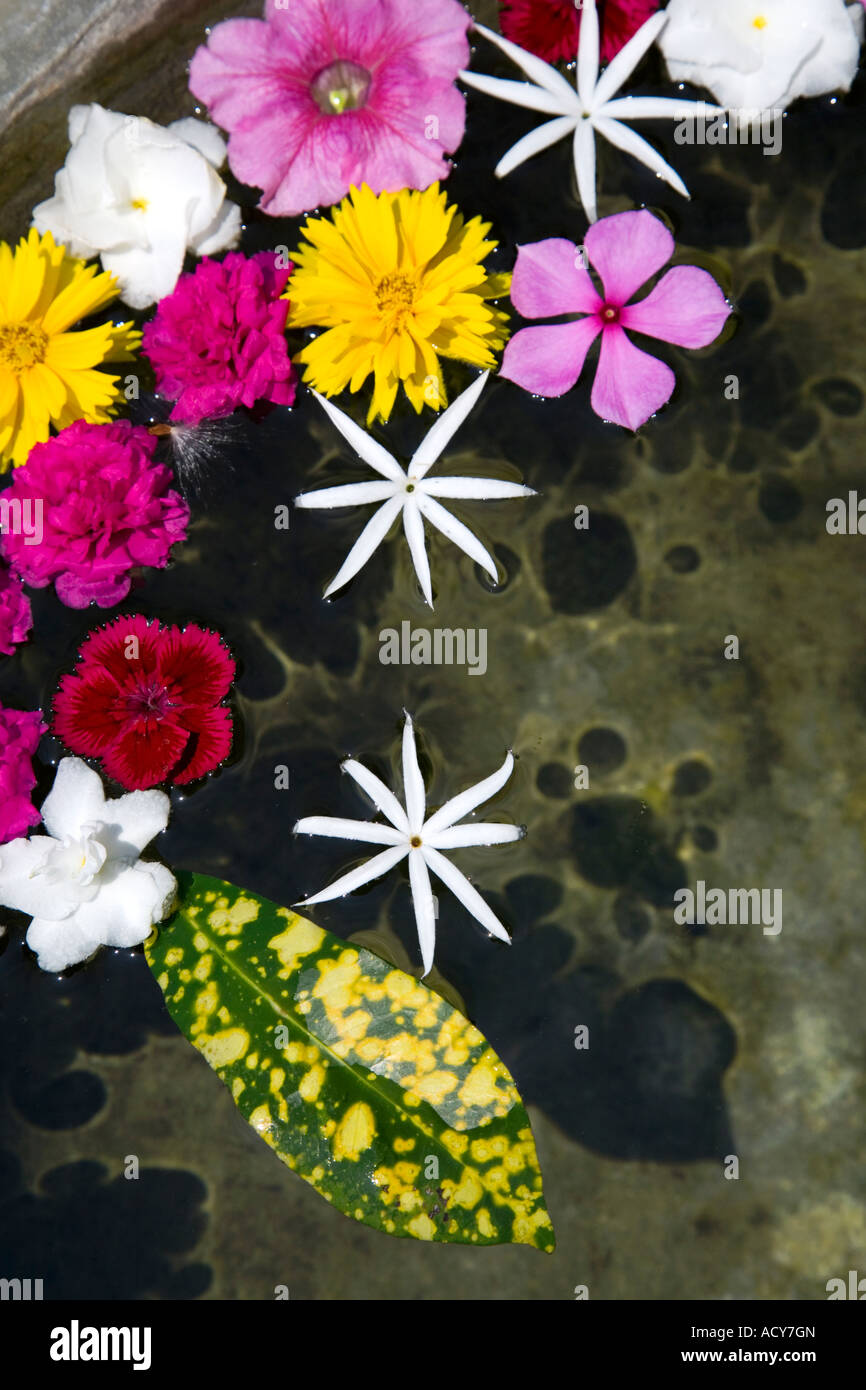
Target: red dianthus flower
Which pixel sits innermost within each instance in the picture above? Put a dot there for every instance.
(550, 28)
(147, 701)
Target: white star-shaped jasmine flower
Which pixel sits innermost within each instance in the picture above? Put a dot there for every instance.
(589, 110)
(410, 833)
(411, 492)
(83, 883)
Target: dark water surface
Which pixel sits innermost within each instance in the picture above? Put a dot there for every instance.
(604, 648)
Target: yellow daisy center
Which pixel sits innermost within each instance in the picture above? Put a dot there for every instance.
(759, 22)
(22, 345)
(395, 296)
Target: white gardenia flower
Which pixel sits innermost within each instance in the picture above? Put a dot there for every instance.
(411, 492)
(423, 840)
(83, 883)
(140, 195)
(757, 55)
(592, 109)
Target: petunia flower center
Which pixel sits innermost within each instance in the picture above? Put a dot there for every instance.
(395, 296)
(340, 87)
(150, 699)
(22, 345)
(610, 313)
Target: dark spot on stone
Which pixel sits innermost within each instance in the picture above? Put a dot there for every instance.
(770, 392)
(602, 750)
(587, 570)
(63, 1102)
(718, 214)
(755, 304)
(779, 500)
(743, 460)
(92, 1239)
(789, 278)
(692, 777)
(555, 780)
(706, 1225)
(799, 429)
(683, 559)
(532, 896)
(190, 1282)
(705, 838)
(671, 453)
(631, 918)
(843, 217)
(509, 566)
(841, 396)
(670, 1049)
(617, 844)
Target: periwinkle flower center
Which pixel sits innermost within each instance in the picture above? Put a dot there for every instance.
(340, 87)
(22, 345)
(610, 314)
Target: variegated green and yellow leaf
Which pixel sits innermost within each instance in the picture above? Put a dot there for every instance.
(364, 1082)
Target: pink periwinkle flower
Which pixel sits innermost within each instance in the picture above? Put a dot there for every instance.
(686, 307)
(16, 616)
(324, 94)
(103, 508)
(20, 732)
(218, 341)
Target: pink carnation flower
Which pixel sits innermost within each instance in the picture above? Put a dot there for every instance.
(324, 94)
(686, 307)
(20, 732)
(105, 508)
(16, 617)
(218, 341)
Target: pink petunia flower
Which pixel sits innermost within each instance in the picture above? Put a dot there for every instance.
(20, 732)
(16, 616)
(551, 28)
(324, 94)
(105, 508)
(686, 307)
(218, 341)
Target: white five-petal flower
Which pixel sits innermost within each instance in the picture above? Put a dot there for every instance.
(411, 832)
(83, 883)
(411, 492)
(589, 110)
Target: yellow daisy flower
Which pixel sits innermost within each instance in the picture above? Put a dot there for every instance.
(47, 374)
(397, 280)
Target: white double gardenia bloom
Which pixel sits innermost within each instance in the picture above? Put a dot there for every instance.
(83, 883)
(139, 196)
(411, 492)
(593, 109)
(758, 55)
(411, 833)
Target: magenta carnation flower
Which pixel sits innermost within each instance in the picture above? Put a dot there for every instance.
(218, 341)
(686, 307)
(105, 508)
(20, 732)
(16, 617)
(324, 94)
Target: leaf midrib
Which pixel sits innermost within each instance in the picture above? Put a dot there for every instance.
(402, 1111)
